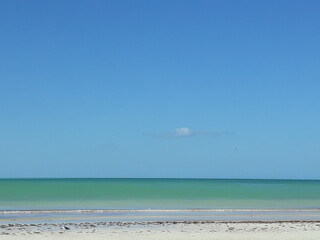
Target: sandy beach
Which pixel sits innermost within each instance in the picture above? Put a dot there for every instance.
(284, 230)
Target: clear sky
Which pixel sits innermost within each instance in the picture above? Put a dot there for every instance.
(199, 89)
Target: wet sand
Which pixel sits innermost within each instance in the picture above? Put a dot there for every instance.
(151, 215)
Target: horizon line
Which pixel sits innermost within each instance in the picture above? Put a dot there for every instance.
(161, 178)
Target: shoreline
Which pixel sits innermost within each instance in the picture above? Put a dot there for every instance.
(161, 222)
(166, 215)
(161, 210)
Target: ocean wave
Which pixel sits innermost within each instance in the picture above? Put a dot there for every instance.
(154, 210)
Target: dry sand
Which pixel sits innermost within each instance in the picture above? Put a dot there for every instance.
(300, 230)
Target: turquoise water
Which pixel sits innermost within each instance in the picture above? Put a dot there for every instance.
(72, 194)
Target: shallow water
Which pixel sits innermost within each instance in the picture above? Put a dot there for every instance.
(68, 194)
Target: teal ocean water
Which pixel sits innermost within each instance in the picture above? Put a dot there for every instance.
(75, 194)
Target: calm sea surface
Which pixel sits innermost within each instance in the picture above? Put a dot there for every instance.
(73, 194)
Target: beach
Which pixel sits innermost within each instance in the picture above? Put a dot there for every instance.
(159, 120)
(160, 230)
(223, 224)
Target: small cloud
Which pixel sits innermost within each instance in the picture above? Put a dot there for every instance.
(186, 132)
(182, 132)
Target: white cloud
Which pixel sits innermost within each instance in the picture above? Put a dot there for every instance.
(182, 132)
(186, 132)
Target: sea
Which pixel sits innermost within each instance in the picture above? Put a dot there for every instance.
(121, 198)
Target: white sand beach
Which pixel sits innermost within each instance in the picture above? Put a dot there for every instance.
(164, 230)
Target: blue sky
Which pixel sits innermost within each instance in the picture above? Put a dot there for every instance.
(199, 89)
